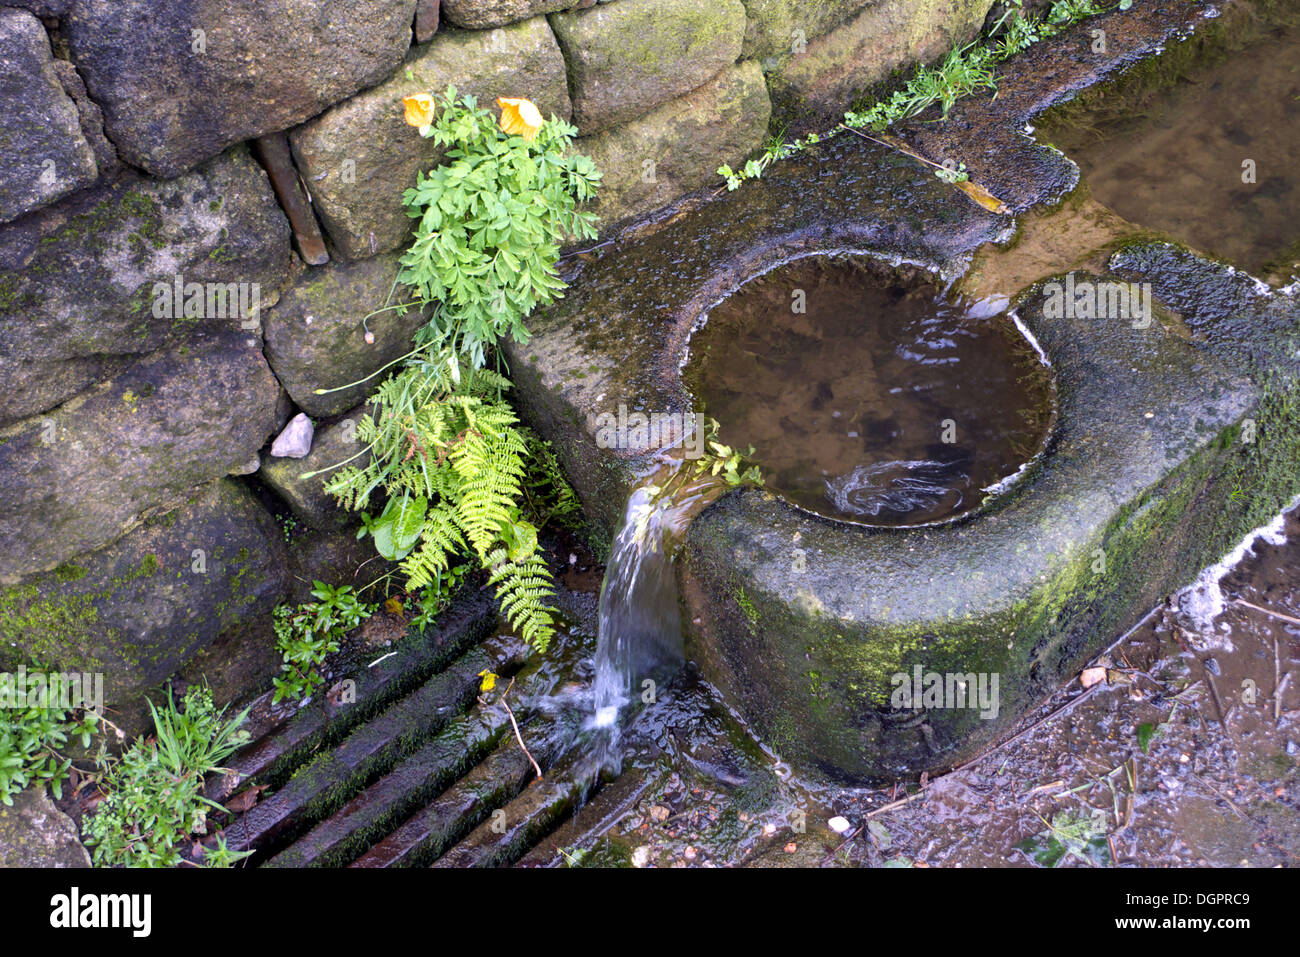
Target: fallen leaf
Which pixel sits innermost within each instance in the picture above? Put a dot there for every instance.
(659, 813)
(1092, 676)
(880, 834)
(982, 196)
(244, 800)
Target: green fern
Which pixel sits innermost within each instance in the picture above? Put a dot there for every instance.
(445, 448)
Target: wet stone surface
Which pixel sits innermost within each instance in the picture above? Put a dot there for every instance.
(801, 622)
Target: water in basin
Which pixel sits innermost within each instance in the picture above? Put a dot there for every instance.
(869, 399)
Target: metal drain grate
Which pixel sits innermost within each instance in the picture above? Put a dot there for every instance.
(417, 769)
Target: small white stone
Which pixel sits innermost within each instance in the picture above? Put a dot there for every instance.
(295, 441)
(839, 824)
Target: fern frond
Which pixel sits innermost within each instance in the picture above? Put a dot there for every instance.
(524, 588)
(440, 542)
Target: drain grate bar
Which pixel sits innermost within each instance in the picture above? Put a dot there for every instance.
(286, 742)
(421, 838)
(428, 771)
(325, 783)
(528, 818)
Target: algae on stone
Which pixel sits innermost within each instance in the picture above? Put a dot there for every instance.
(626, 58)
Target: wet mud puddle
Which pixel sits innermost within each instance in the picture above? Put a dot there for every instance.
(869, 400)
(1201, 142)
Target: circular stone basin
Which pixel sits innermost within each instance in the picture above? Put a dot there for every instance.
(868, 397)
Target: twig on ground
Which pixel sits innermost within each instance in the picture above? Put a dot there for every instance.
(1268, 611)
(514, 724)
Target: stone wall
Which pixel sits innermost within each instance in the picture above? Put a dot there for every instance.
(212, 149)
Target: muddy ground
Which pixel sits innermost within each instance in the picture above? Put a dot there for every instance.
(1183, 753)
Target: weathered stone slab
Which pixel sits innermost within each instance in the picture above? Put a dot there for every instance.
(359, 157)
(34, 387)
(81, 476)
(315, 338)
(629, 57)
(427, 17)
(139, 609)
(803, 622)
(782, 27)
(92, 120)
(482, 14)
(46, 155)
(180, 80)
(832, 69)
(678, 147)
(77, 278)
(1122, 509)
(43, 8)
(35, 833)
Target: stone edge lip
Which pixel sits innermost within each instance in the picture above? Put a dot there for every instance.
(1047, 75)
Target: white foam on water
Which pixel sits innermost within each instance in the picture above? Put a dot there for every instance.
(1202, 602)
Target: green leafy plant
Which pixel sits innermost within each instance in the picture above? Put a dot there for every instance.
(490, 222)
(952, 175)
(31, 746)
(153, 795)
(307, 634)
(446, 450)
(548, 496)
(1072, 833)
(724, 461)
(444, 453)
(433, 598)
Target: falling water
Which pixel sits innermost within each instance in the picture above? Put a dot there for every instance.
(640, 634)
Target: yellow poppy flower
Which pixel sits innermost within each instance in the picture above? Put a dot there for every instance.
(520, 116)
(488, 683)
(419, 109)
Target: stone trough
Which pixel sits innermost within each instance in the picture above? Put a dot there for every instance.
(1171, 440)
